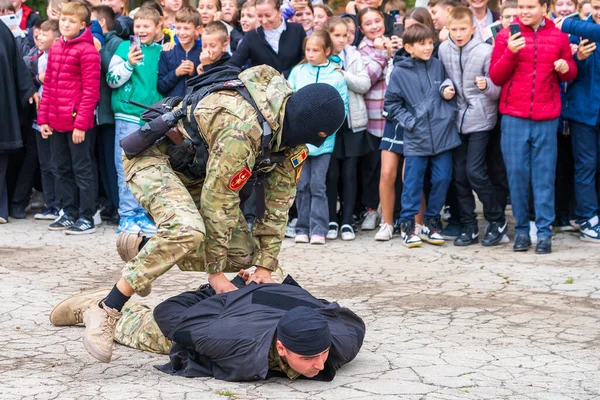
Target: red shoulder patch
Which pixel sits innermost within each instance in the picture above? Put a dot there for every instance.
(240, 178)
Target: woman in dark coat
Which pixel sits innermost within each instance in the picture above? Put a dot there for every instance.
(16, 89)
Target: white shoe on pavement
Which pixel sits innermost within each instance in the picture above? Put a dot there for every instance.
(385, 232)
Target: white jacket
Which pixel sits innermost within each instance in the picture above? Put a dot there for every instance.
(359, 83)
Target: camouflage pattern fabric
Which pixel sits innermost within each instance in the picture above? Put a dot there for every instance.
(230, 127)
(138, 329)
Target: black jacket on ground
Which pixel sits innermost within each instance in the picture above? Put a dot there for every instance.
(228, 336)
(413, 99)
(16, 87)
(255, 48)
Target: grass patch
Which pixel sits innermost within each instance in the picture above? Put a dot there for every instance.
(570, 281)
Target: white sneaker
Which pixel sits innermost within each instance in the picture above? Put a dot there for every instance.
(332, 234)
(301, 238)
(370, 221)
(348, 232)
(385, 232)
(97, 219)
(533, 232)
(317, 239)
(290, 230)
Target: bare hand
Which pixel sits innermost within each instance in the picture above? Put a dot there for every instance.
(261, 275)
(220, 283)
(168, 46)
(46, 131)
(338, 68)
(217, 16)
(585, 49)
(35, 99)
(561, 66)
(574, 48)
(394, 44)
(481, 82)
(185, 68)
(206, 57)
(444, 33)
(244, 274)
(449, 92)
(134, 56)
(558, 22)
(78, 136)
(516, 42)
(379, 43)
(298, 4)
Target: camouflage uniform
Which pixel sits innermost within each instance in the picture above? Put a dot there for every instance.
(186, 212)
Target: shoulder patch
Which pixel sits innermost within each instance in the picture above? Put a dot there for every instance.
(299, 158)
(240, 178)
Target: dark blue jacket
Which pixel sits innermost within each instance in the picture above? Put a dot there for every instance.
(228, 336)
(582, 101)
(413, 99)
(255, 48)
(170, 84)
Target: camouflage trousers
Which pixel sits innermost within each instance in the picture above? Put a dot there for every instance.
(173, 201)
(138, 329)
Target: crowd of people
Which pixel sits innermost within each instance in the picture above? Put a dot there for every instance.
(442, 102)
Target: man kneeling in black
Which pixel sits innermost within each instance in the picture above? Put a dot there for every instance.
(255, 332)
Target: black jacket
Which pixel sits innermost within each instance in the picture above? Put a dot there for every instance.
(16, 87)
(413, 99)
(255, 48)
(228, 336)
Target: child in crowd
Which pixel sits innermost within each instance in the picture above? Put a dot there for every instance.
(164, 37)
(179, 64)
(214, 47)
(373, 49)
(311, 199)
(105, 118)
(439, 14)
(133, 75)
(305, 17)
(210, 10)
(562, 8)
(343, 167)
(398, 5)
(508, 12)
(466, 59)
(584, 9)
(248, 18)
(229, 18)
(350, 21)
(321, 13)
(170, 9)
(71, 92)
(26, 16)
(119, 6)
(483, 17)
(414, 99)
(46, 36)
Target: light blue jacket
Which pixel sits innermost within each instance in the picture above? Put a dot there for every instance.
(305, 74)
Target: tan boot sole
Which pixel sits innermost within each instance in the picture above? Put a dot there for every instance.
(92, 352)
(72, 297)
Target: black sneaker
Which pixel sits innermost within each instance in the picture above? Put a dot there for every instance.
(431, 232)
(409, 237)
(83, 226)
(522, 242)
(544, 246)
(494, 233)
(62, 223)
(469, 236)
(18, 212)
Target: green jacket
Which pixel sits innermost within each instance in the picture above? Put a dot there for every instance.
(133, 83)
(105, 112)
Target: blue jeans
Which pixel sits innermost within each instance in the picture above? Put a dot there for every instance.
(586, 152)
(529, 149)
(311, 197)
(128, 205)
(414, 173)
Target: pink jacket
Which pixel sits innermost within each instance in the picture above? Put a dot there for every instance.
(71, 85)
(376, 62)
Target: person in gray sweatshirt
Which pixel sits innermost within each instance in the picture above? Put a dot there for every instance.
(466, 59)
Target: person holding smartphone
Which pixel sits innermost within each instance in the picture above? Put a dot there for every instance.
(529, 61)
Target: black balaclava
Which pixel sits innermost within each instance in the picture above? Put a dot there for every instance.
(315, 108)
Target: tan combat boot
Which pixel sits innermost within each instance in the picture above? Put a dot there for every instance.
(70, 311)
(128, 245)
(100, 326)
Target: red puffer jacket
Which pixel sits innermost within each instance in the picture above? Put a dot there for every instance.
(530, 85)
(72, 84)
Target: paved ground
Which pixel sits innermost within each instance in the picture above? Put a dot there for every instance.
(442, 323)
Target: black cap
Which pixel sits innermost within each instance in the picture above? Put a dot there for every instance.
(304, 331)
(315, 108)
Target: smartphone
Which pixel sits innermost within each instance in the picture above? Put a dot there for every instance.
(136, 43)
(398, 29)
(495, 28)
(396, 15)
(10, 21)
(514, 29)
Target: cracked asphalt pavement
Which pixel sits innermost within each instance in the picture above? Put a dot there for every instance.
(442, 322)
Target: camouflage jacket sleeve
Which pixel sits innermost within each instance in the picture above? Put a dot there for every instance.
(232, 155)
(280, 191)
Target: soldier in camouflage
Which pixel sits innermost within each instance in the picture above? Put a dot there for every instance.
(200, 225)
